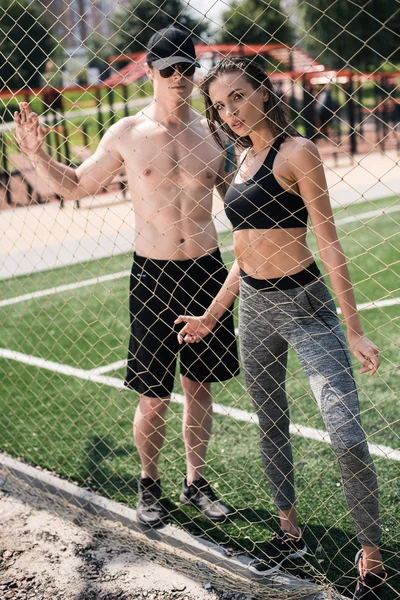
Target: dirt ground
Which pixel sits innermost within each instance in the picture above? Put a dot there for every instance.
(50, 550)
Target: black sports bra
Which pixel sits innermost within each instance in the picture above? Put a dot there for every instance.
(261, 203)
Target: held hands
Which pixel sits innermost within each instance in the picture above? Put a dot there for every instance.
(29, 133)
(365, 352)
(196, 328)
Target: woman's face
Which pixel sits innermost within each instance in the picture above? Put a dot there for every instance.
(238, 103)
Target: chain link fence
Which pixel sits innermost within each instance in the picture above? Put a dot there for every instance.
(106, 151)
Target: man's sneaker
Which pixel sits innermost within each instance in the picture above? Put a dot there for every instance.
(149, 510)
(281, 548)
(201, 495)
(369, 585)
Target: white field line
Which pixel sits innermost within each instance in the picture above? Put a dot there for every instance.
(365, 306)
(95, 375)
(63, 288)
(49, 365)
(93, 281)
(234, 413)
(368, 215)
(376, 304)
(112, 276)
(107, 368)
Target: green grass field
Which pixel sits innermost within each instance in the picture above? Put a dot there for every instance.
(82, 430)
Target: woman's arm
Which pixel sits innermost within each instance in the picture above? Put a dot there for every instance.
(310, 178)
(198, 327)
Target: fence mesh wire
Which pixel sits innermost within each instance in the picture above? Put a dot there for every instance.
(133, 166)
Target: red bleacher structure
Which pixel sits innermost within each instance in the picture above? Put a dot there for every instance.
(285, 59)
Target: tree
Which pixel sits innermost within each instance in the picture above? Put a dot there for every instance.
(99, 49)
(362, 34)
(139, 20)
(25, 44)
(255, 22)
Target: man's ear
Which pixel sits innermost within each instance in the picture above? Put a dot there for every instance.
(148, 71)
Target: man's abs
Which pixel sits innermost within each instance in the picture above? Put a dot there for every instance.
(179, 239)
(171, 176)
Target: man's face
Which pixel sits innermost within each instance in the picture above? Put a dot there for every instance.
(173, 82)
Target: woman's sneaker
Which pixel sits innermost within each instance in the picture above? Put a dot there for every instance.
(281, 548)
(369, 585)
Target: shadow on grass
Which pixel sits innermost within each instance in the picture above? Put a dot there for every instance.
(330, 555)
(98, 475)
(331, 551)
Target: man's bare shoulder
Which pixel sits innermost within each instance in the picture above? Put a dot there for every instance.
(202, 123)
(127, 130)
(129, 125)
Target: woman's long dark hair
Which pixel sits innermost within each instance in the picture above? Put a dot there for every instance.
(254, 73)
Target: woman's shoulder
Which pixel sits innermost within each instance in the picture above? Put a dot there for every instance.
(299, 149)
(298, 143)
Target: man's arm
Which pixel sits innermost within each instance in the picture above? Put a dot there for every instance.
(71, 183)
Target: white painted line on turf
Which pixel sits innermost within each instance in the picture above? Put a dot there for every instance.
(64, 288)
(366, 306)
(72, 286)
(119, 364)
(234, 413)
(368, 215)
(112, 276)
(41, 363)
(376, 304)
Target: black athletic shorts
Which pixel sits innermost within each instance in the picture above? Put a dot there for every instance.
(160, 291)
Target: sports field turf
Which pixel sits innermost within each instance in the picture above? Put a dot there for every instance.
(82, 428)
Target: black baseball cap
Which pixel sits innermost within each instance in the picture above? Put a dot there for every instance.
(170, 46)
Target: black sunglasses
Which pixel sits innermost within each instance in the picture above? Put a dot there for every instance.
(185, 69)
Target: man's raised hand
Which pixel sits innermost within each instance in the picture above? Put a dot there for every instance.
(29, 133)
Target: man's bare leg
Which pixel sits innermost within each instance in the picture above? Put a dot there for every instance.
(149, 433)
(197, 423)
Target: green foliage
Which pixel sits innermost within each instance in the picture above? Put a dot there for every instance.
(26, 44)
(7, 109)
(362, 34)
(256, 22)
(139, 20)
(99, 49)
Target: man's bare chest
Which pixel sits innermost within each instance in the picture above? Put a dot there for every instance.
(185, 156)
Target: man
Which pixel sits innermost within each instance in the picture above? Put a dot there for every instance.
(172, 166)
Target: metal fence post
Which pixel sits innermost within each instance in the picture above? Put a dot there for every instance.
(5, 166)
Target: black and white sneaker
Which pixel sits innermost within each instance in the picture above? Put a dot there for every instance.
(369, 585)
(149, 511)
(201, 495)
(281, 548)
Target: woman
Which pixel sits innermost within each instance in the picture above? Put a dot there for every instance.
(280, 183)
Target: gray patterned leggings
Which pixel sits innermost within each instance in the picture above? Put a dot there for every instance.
(305, 317)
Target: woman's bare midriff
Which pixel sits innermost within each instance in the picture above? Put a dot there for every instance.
(271, 253)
